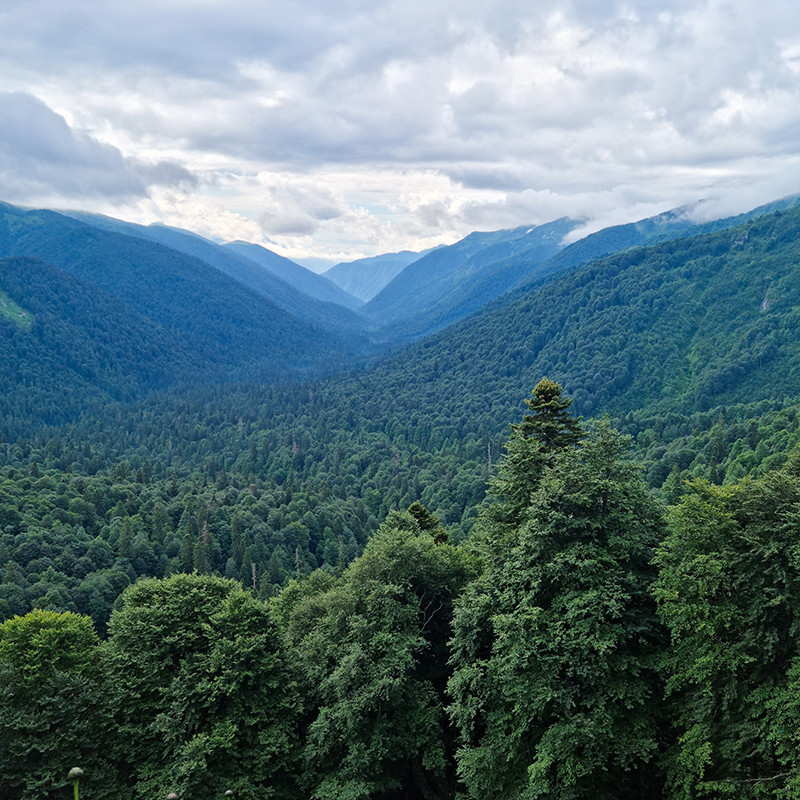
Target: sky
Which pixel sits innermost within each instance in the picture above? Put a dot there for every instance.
(331, 131)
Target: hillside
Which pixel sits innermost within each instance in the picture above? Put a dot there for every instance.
(676, 326)
(321, 306)
(515, 264)
(225, 330)
(306, 281)
(80, 347)
(365, 277)
(435, 277)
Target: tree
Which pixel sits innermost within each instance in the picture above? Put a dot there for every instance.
(547, 430)
(50, 714)
(374, 647)
(555, 688)
(201, 689)
(729, 593)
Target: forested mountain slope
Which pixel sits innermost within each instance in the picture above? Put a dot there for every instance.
(324, 311)
(691, 344)
(433, 277)
(678, 325)
(308, 282)
(573, 642)
(80, 347)
(470, 289)
(232, 332)
(365, 277)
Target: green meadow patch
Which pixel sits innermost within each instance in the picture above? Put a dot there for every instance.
(18, 315)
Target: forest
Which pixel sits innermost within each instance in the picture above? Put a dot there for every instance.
(361, 583)
(585, 641)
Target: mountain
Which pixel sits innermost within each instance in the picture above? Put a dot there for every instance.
(674, 328)
(472, 288)
(219, 331)
(693, 343)
(677, 326)
(77, 347)
(317, 311)
(676, 223)
(432, 281)
(224, 330)
(484, 276)
(308, 282)
(365, 277)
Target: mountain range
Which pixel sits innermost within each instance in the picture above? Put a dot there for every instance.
(162, 307)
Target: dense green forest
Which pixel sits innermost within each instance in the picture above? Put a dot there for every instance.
(367, 585)
(587, 639)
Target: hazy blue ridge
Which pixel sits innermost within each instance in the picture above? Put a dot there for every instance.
(308, 282)
(469, 294)
(425, 282)
(328, 315)
(178, 291)
(365, 277)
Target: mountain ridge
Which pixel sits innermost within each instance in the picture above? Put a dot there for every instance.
(326, 314)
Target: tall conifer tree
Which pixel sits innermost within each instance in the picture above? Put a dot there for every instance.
(555, 647)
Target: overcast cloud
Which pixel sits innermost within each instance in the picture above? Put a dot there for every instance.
(348, 129)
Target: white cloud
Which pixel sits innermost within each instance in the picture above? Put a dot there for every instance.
(361, 126)
(41, 156)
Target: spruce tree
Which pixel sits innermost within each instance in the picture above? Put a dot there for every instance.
(555, 650)
(547, 430)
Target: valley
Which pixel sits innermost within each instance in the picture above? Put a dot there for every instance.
(382, 507)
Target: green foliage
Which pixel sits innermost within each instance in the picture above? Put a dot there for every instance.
(280, 487)
(50, 716)
(548, 429)
(44, 642)
(729, 592)
(201, 691)
(373, 648)
(555, 647)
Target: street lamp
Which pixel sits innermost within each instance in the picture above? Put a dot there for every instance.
(75, 774)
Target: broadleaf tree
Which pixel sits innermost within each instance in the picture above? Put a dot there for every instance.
(374, 648)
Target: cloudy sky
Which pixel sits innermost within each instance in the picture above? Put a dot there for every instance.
(336, 130)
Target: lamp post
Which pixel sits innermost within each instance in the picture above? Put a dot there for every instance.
(75, 774)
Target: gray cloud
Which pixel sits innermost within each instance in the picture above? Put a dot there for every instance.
(298, 209)
(525, 110)
(40, 155)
